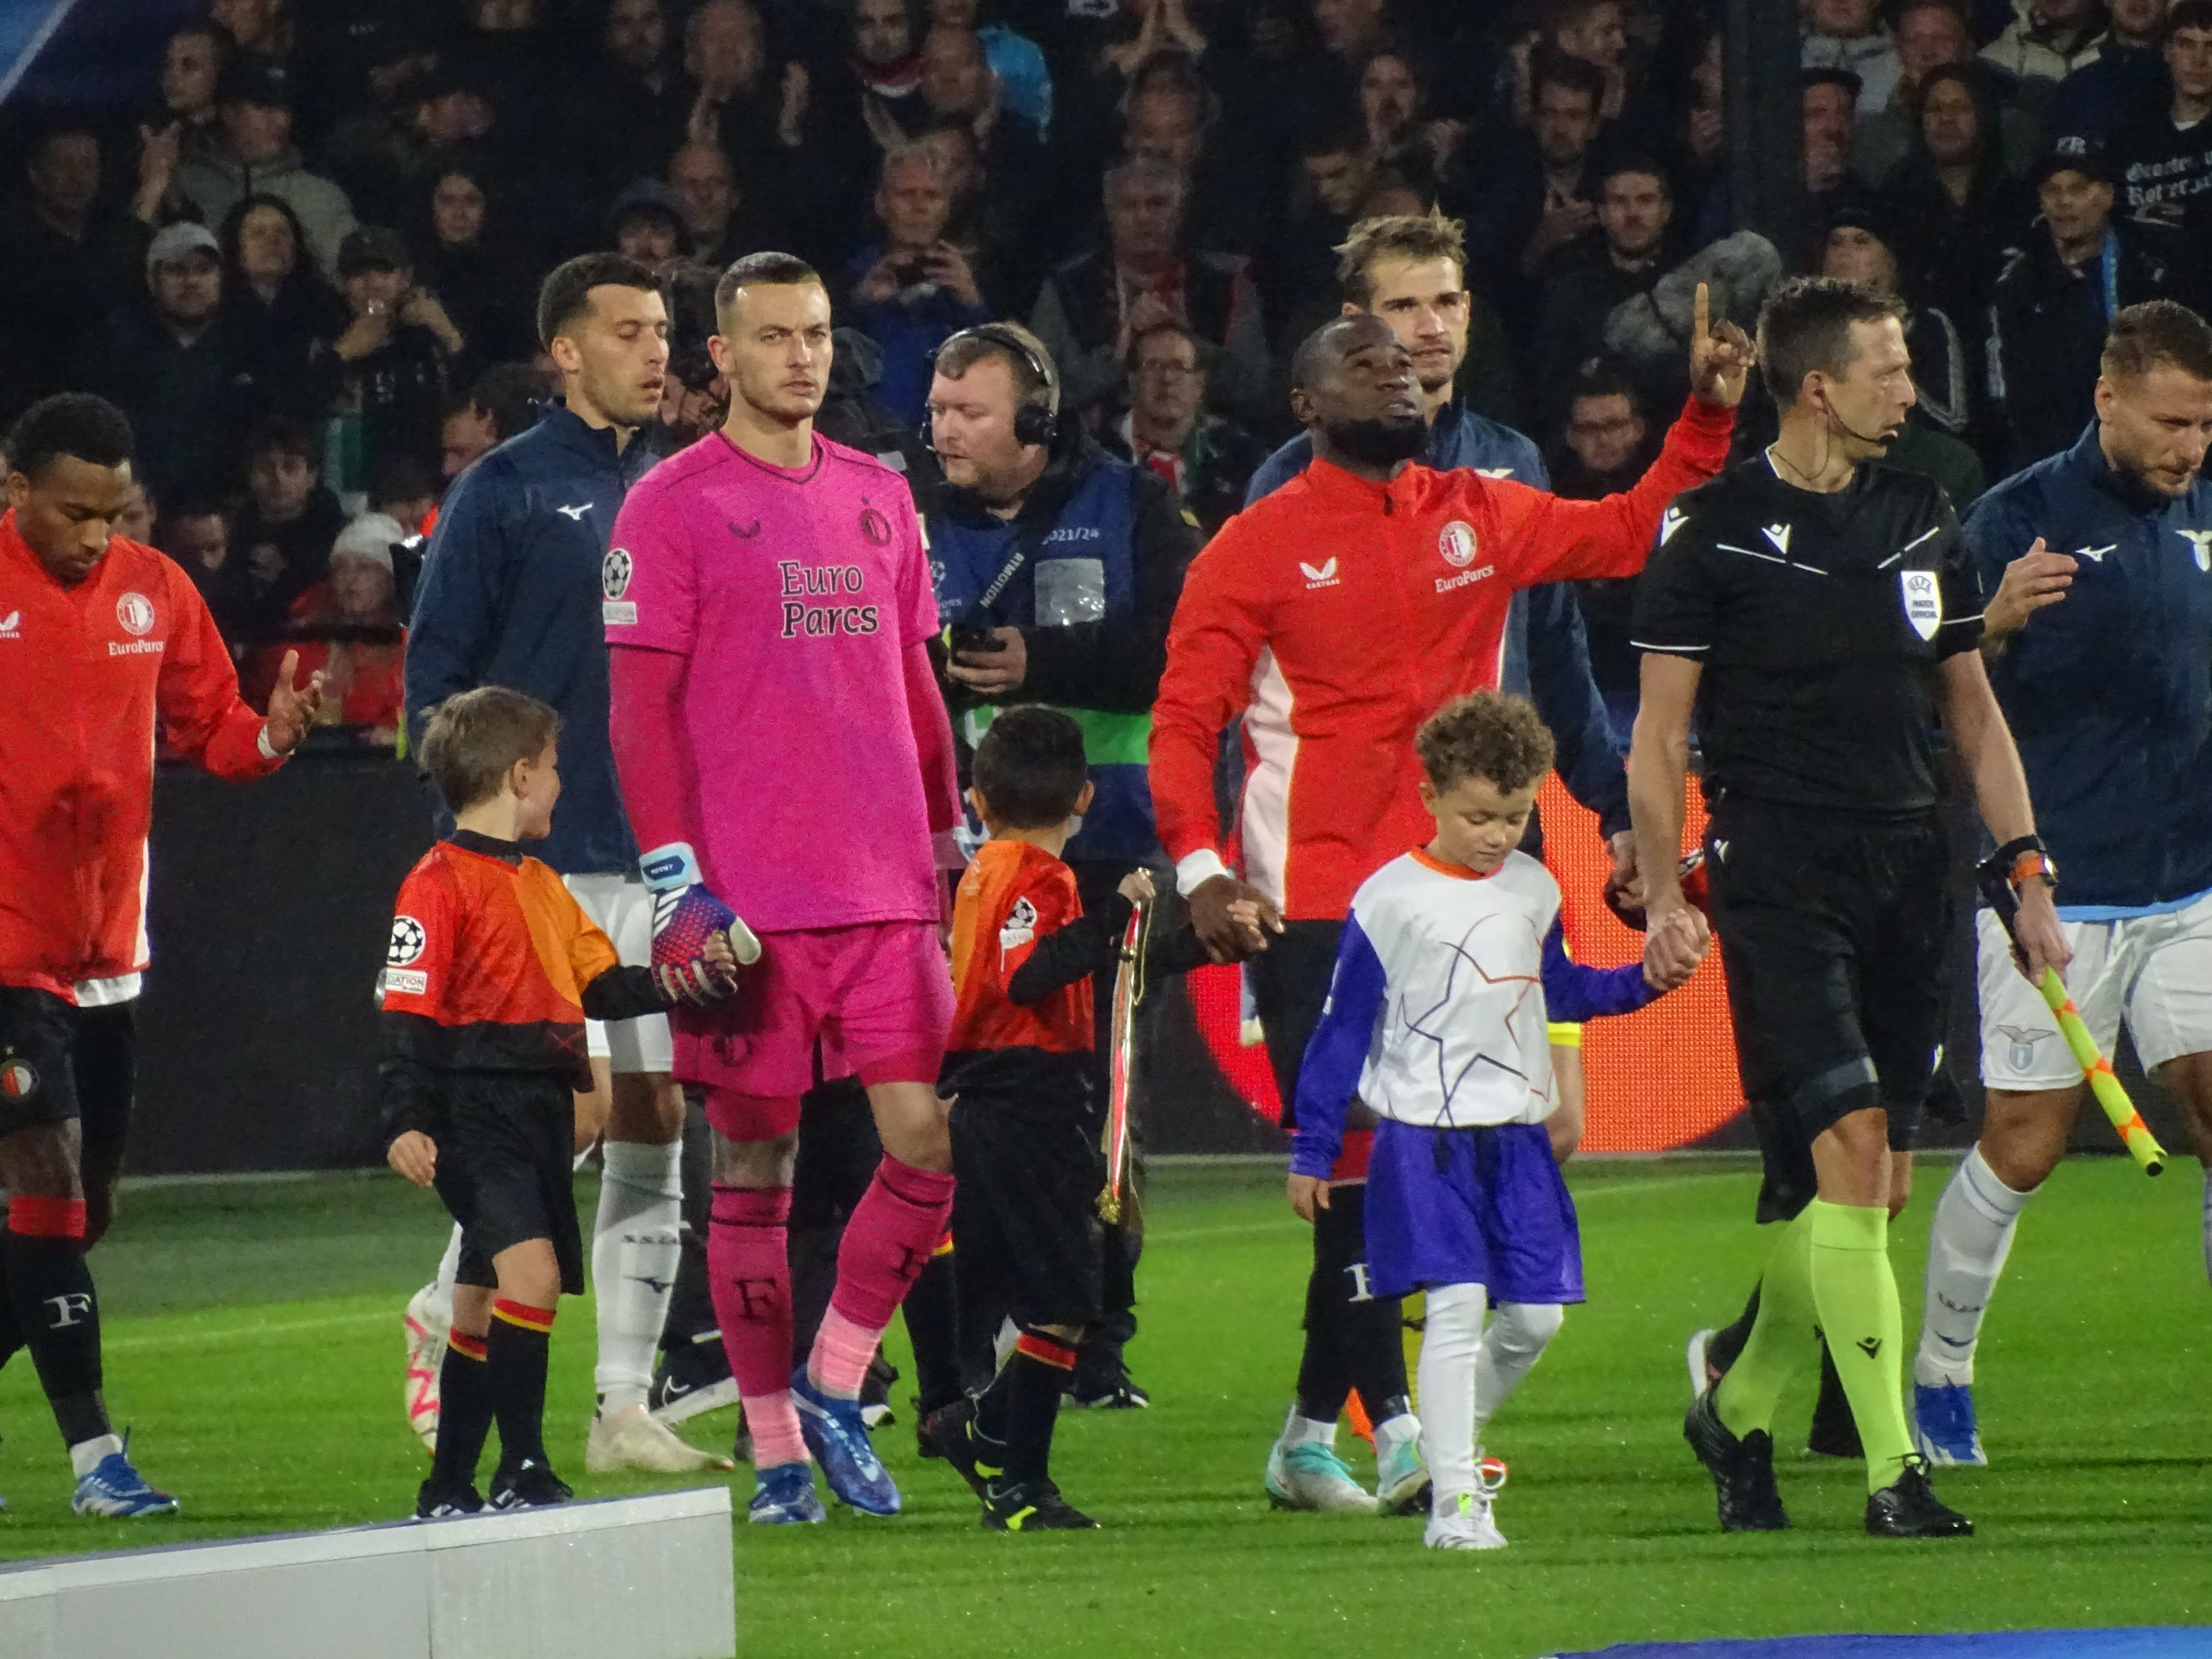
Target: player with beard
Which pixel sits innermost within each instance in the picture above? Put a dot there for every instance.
(1336, 615)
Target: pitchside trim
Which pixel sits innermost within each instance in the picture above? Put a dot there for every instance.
(645, 1578)
(2163, 1642)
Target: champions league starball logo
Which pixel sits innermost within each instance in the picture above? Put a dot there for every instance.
(614, 573)
(408, 938)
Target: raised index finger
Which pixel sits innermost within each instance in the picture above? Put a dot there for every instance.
(1704, 312)
(287, 669)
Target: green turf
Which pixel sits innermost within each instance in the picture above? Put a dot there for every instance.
(254, 1336)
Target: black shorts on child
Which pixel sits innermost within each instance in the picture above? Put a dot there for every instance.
(506, 1161)
(1025, 1230)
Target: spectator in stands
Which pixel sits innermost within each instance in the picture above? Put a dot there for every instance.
(2163, 159)
(1173, 114)
(884, 69)
(1336, 173)
(135, 521)
(1092, 308)
(1596, 32)
(406, 488)
(393, 364)
(70, 261)
(1956, 206)
(1402, 130)
(282, 535)
(647, 223)
(259, 27)
(190, 381)
(958, 89)
(468, 260)
(2047, 40)
(758, 118)
(252, 154)
(627, 100)
(1932, 34)
(1604, 443)
(1699, 148)
(911, 289)
(705, 186)
(1848, 34)
(1583, 281)
(1861, 248)
(470, 428)
(348, 626)
(1207, 459)
(1024, 81)
(1541, 194)
(2127, 75)
(192, 70)
(1829, 99)
(276, 296)
(193, 531)
(2056, 296)
(376, 147)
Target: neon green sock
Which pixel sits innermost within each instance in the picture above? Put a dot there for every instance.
(1781, 1339)
(1855, 1292)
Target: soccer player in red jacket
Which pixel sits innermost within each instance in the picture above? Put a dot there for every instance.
(1335, 616)
(101, 640)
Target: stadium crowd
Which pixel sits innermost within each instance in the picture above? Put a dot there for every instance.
(305, 272)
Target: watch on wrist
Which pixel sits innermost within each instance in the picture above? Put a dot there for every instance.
(2024, 860)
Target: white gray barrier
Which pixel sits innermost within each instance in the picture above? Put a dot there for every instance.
(644, 1577)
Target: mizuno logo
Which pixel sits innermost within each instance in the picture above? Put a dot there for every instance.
(1673, 521)
(657, 1286)
(1323, 575)
(2096, 553)
(1779, 534)
(2202, 541)
(575, 513)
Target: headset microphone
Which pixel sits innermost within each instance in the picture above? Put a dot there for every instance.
(1830, 409)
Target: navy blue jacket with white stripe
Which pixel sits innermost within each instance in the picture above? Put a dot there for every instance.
(510, 595)
(2107, 690)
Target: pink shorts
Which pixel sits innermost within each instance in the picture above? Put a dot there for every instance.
(876, 997)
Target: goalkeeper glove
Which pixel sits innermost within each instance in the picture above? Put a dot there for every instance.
(686, 915)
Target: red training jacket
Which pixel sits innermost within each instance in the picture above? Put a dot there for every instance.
(86, 671)
(1336, 614)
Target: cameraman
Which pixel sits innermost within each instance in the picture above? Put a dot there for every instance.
(1058, 568)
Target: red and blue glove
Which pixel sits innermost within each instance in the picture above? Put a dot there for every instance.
(685, 915)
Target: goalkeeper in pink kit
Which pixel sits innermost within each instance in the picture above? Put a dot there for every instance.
(786, 759)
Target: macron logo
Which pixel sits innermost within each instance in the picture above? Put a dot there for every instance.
(575, 513)
(1779, 534)
(11, 626)
(1323, 576)
(1673, 521)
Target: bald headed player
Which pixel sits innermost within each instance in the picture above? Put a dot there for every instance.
(1335, 616)
(784, 757)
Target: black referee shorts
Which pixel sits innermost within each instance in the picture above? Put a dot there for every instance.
(1026, 1234)
(1835, 932)
(506, 1147)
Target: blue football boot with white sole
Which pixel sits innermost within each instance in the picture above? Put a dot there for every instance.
(838, 1437)
(1943, 1428)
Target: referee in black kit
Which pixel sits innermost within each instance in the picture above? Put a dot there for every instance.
(1819, 613)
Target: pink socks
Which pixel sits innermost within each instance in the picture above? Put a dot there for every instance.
(888, 1241)
(748, 1272)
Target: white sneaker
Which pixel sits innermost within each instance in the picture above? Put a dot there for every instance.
(1311, 1476)
(428, 1323)
(633, 1439)
(1467, 1524)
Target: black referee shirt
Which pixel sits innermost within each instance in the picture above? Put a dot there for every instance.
(1820, 622)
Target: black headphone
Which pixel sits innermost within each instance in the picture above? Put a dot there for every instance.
(1034, 422)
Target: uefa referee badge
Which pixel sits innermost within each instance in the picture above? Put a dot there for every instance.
(1924, 601)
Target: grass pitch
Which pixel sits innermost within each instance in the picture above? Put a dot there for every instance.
(253, 1338)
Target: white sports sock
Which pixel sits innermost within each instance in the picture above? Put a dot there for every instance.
(1450, 1345)
(1404, 1426)
(85, 1456)
(1299, 1430)
(448, 1264)
(635, 1244)
(1966, 1250)
(1518, 1334)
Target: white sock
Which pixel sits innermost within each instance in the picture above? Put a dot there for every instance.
(1299, 1430)
(1966, 1251)
(448, 1264)
(1518, 1334)
(85, 1455)
(1404, 1426)
(1450, 1345)
(635, 1244)
(2208, 1221)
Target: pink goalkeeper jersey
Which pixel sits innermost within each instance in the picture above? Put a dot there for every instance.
(794, 595)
